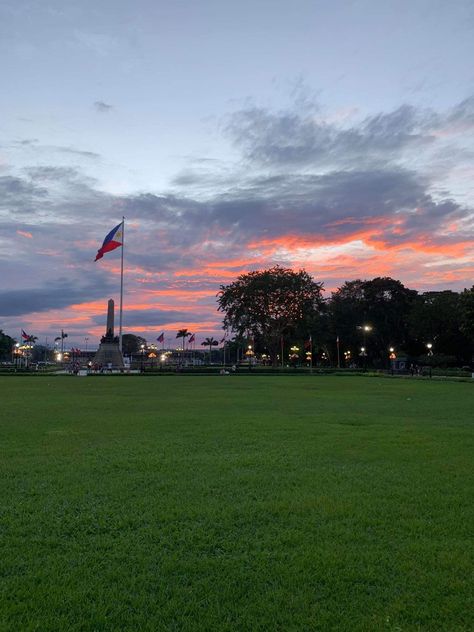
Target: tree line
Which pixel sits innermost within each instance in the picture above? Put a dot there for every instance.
(363, 318)
(278, 307)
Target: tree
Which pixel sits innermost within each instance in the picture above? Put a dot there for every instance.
(61, 338)
(210, 342)
(131, 344)
(383, 304)
(183, 333)
(467, 313)
(436, 318)
(270, 304)
(6, 345)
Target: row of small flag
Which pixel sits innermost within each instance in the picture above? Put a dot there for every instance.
(192, 338)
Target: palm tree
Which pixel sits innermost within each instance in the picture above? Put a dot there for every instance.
(210, 342)
(183, 333)
(61, 338)
(29, 343)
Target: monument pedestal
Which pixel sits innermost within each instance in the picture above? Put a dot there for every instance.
(108, 355)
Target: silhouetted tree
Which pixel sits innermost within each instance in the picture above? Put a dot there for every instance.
(6, 345)
(131, 343)
(210, 342)
(269, 304)
(183, 333)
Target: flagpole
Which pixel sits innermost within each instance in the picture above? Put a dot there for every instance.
(121, 284)
(338, 354)
(311, 356)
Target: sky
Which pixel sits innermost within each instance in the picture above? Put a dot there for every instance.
(336, 136)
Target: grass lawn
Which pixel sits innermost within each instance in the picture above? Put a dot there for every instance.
(236, 503)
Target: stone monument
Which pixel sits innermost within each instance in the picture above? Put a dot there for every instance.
(108, 354)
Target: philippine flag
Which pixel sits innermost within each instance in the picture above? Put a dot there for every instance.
(161, 337)
(113, 240)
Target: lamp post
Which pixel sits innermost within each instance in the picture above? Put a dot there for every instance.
(429, 346)
(392, 358)
(142, 351)
(347, 358)
(17, 354)
(363, 351)
(249, 354)
(294, 355)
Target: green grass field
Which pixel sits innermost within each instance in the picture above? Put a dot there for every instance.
(236, 503)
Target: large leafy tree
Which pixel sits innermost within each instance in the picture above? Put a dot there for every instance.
(467, 313)
(270, 304)
(383, 304)
(6, 345)
(131, 343)
(436, 317)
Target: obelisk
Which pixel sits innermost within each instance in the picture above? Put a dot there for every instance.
(108, 354)
(109, 330)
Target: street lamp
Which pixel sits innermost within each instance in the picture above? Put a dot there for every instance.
(392, 357)
(142, 351)
(429, 346)
(249, 354)
(17, 354)
(294, 355)
(365, 330)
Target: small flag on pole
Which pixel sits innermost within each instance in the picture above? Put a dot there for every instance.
(24, 335)
(192, 338)
(113, 240)
(161, 337)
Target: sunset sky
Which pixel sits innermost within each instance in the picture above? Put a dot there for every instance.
(335, 136)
